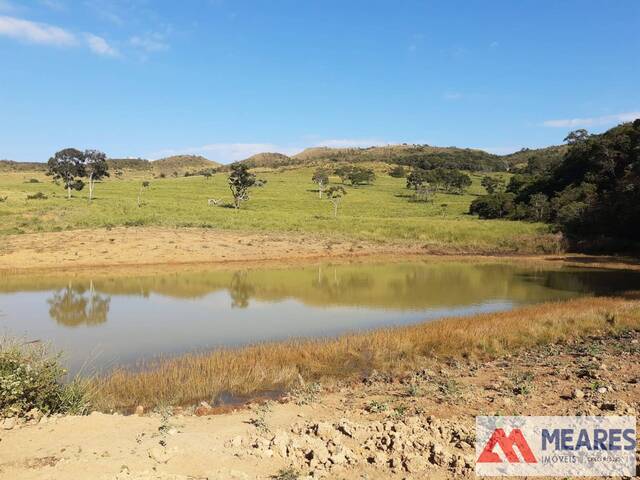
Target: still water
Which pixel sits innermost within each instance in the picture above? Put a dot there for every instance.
(100, 321)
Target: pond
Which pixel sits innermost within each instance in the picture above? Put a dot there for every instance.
(100, 321)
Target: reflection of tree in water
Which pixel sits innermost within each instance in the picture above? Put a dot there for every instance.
(72, 307)
(240, 290)
(341, 286)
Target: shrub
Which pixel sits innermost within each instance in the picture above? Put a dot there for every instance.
(397, 172)
(496, 205)
(30, 377)
(33, 180)
(37, 196)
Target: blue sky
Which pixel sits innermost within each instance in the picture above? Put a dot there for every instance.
(227, 79)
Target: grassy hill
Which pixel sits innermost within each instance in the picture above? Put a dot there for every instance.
(269, 160)
(11, 166)
(183, 163)
(405, 154)
(287, 203)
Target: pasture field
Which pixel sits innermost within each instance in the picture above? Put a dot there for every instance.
(384, 211)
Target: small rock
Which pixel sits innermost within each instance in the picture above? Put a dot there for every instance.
(139, 410)
(34, 414)
(577, 394)
(9, 423)
(610, 407)
(602, 390)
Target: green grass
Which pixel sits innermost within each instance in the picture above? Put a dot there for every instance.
(288, 203)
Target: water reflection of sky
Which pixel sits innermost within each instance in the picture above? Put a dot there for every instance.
(103, 325)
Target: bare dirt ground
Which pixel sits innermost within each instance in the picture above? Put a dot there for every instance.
(122, 250)
(167, 246)
(417, 426)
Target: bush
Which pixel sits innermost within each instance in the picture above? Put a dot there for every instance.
(497, 205)
(37, 196)
(32, 378)
(397, 172)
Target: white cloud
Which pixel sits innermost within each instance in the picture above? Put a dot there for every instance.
(33, 32)
(151, 42)
(100, 46)
(45, 34)
(592, 121)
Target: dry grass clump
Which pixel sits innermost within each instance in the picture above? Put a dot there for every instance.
(191, 378)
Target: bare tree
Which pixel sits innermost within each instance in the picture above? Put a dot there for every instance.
(334, 195)
(143, 186)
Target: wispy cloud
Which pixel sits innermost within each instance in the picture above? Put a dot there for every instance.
(592, 121)
(53, 4)
(6, 6)
(452, 95)
(150, 42)
(100, 46)
(51, 35)
(34, 32)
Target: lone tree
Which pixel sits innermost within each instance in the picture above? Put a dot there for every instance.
(143, 186)
(96, 168)
(358, 176)
(320, 177)
(417, 178)
(334, 195)
(68, 166)
(240, 180)
(492, 185)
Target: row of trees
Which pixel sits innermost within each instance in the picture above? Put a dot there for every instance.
(593, 194)
(425, 183)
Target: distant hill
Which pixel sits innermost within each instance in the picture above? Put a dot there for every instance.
(183, 163)
(124, 164)
(177, 164)
(424, 156)
(535, 158)
(269, 160)
(11, 166)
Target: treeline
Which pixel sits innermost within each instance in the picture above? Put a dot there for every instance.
(592, 195)
(423, 157)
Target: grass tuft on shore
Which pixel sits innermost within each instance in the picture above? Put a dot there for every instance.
(31, 377)
(244, 371)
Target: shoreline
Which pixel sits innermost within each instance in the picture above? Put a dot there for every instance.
(156, 249)
(339, 429)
